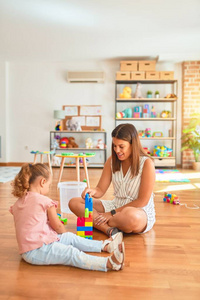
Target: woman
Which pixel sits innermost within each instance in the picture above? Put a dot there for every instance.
(132, 173)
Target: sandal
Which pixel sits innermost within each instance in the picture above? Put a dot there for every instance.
(112, 231)
(120, 257)
(113, 244)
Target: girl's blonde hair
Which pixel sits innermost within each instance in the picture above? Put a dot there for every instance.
(27, 176)
(128, 132)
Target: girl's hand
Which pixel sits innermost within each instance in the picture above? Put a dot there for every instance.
(89, 191)
(102, 218)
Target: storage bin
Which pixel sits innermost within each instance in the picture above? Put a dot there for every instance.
(130, 65)
(147, 65)
(164, 162)
(166, 75)
(69, 190)
(137, 75)
(152, 75)
(123, 76)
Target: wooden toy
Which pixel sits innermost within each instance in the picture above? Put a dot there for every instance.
(85, 224)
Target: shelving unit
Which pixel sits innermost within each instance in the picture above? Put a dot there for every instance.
(97, 161)
(163, 124)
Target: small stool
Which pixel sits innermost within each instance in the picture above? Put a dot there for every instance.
(77, 157)
(41, 153)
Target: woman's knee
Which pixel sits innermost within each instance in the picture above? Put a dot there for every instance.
(73, 202)
(136, 219)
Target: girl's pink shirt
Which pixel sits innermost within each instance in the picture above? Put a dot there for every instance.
(31, 221)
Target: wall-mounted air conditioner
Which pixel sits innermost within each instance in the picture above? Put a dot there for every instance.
(92, 76)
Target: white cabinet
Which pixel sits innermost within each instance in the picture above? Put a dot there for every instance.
(167, 126)
(80, 137)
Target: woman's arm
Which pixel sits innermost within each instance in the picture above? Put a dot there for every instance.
(54, 221)
(146, 186)
(103, 183)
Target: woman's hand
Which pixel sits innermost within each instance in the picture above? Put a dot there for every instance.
(102, 218)
(89, 191)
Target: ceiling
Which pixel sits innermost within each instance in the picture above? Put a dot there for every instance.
(69, 30)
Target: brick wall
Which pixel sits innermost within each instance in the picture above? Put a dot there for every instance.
(190, 101)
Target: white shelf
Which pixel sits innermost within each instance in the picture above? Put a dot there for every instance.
(169, 141)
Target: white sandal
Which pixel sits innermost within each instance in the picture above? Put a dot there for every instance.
(120, 257)
(113, 244)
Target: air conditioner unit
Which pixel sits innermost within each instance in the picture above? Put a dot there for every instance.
(93, 76)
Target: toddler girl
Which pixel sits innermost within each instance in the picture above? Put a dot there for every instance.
(42, 238)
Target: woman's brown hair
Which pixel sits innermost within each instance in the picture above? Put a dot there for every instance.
(128, 132)
(26, 176)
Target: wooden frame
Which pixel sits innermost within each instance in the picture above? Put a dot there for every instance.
(93, 116)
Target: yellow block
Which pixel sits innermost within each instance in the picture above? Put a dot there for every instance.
(80, 233)
(88, 224)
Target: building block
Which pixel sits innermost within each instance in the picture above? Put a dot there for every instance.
(88, 224)
(85, 224)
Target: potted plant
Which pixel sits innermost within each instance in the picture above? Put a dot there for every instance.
(191, 139)
(149, 94)
(157, 94)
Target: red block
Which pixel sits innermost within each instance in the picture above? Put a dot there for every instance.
(80, 221)
(88, 232)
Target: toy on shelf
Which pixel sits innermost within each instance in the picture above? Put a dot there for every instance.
(148, 132)
(64, 221)
(100, 144)
(55, 161)
(72, 143)
(171, 198)
(162, 151)
(126, 113)
(126, 92)
(73, 125)
(170, 96)
(58, 126)
(157, 134)
(137, 112)
(64, 142)
(165, 114)
(141, 133)
(85, 224)
(89, 143)
(138, 91)
(147, 150)
(146, 111)
(153, 112)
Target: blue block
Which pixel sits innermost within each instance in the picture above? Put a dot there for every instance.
(83, 228)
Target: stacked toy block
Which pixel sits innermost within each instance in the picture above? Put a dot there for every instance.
(146, 111)
(137, 112)
(85, 224)
(171, 198)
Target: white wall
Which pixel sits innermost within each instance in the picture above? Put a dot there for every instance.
(36, 89)
(4, 111)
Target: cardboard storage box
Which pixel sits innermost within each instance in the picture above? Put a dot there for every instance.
(123, 75)
(147, 65)
(130, 65)
(166, 75)
(137, 75)
(153, 75)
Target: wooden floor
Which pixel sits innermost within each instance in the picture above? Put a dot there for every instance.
(161, 264)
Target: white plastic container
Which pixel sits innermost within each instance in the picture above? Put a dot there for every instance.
(69, 190)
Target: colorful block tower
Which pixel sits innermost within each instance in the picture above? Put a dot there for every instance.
(85, 224)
